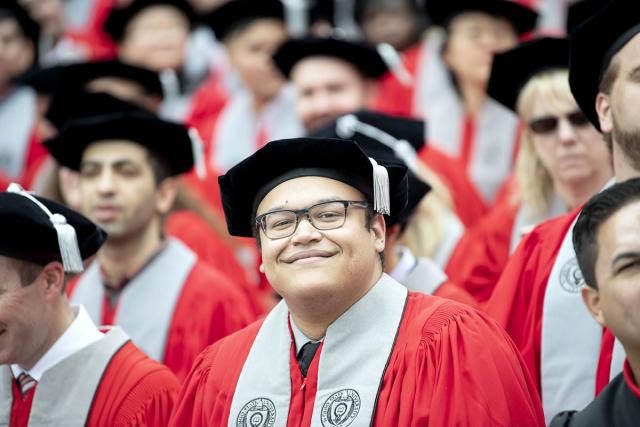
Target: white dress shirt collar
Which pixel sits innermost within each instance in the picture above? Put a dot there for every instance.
(81, 333)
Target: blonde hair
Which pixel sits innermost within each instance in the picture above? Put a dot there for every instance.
(534, 181)
(426, 227)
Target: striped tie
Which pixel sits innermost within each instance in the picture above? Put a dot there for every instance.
(26, 383)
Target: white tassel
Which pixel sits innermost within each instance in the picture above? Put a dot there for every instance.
(392, 58)
(197, 148)
(67, 239)
(296, 13)
(348, 125)
(381, 198)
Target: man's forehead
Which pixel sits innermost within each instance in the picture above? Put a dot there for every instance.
(114, 148)
(629, 55)
(620, 231)
(305, 191)
(309, 69)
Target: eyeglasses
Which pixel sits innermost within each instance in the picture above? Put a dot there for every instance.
(323, 216)
(549, 124)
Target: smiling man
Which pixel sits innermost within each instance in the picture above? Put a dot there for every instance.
(169, 302)
(348, 345)
(606, 238)
(56, 367)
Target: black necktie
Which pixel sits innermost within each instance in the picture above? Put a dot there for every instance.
(305, 356)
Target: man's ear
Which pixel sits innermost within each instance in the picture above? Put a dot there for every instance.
(591, 298)
(166, 195)
(52, 277)
(603, 108)
(379, 230)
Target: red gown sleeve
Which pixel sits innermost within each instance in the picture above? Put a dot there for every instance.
(482, 254)
(135, 391)
(209, 309)
(467, 202)
(392, 96)
(456, 367)
(518, 298)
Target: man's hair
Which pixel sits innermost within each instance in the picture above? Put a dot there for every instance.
(596, 212)
(28, 271)
(609, 76)
(160, 167)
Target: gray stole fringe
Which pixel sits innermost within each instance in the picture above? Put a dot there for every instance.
(147, 302)
(17, 121)
(353, 360)
(65, 393)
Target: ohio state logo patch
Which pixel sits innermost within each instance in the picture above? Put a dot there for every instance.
(571, 278)
(340, 409)
(260, 412)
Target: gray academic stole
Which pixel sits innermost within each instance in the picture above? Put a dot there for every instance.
(496, 127)
(17, 121)
(356, 349)
(425, 277)
(571, 339)
(148, 302)
(237, 130)
(65, 393)
(526, 220)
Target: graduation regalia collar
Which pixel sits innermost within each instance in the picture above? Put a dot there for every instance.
(147, 320)
(64, 395)
(362, 338)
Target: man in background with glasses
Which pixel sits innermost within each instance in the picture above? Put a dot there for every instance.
(348, 345)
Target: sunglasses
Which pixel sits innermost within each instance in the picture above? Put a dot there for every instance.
(549, 124)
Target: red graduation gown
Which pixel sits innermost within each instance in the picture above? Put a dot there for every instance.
(518, 298)
(134, 391)
(450, 365)
(481, 255)
(194, 232)
(467, 202)
(209, 308)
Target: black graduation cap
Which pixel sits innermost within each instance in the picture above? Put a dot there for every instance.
(246, 184)
(580, 11)
(511, 70)
(593, 45)
(116, 23)
(29, 26)
(78, 105)
(167, 140)
(224, 19)
(42, 80)
(442, 11)
(389, 140)
(363, 56)
(75, 76)
(38, 230)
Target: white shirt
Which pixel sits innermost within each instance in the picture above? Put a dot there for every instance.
(405, 265)
(81, 333)
(299, 337)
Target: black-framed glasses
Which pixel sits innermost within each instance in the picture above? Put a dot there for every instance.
(548, 124)
(323, 216)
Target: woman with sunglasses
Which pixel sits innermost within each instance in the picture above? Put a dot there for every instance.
(563, 160)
